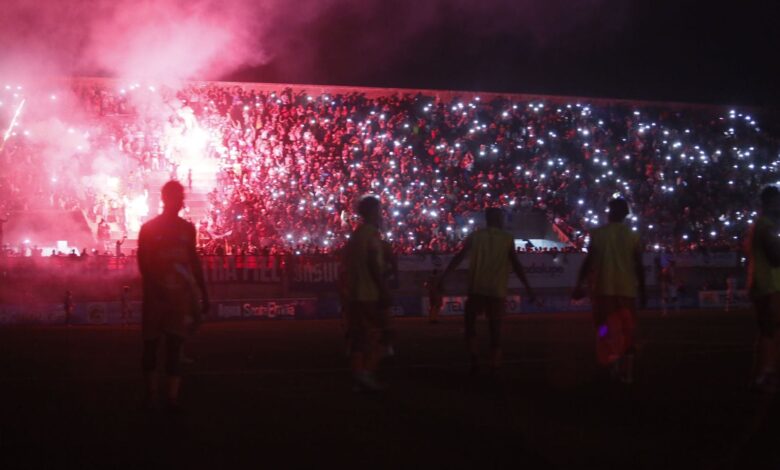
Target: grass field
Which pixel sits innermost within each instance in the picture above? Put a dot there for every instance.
(277, 394)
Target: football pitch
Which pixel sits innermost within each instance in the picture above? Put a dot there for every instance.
(277, 394)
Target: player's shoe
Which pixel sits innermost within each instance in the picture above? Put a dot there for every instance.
(173, 408)
(765, 383)
(186, 360)
(365, 382)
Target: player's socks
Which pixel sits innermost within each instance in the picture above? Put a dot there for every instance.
(765, 382)
(365, 381)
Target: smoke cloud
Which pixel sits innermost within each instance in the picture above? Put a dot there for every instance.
(208, 39)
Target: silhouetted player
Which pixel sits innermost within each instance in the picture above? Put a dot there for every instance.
(665, 266)
(492, 253)
(614, 269)
(68, 306)
(435, 299)
(174, 290)
(3, 220)
(763, 248)
(387, 334)
(126, 313)
(367, 293)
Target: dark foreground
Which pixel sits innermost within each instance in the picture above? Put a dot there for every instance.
(277, 394)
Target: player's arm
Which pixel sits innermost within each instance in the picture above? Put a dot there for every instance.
(375, 270)
(640, 274)
(585, 269)
(517, 267)
(455, 261)
(197, 272)
(770, 242)
(142, 255)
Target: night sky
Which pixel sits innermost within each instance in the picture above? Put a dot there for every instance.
(647, 49)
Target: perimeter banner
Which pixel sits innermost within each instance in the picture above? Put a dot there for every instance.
(313, 273)
(722, 298)
(242, 269)
(297, 308)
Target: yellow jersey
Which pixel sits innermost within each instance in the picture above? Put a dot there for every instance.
(365, 241)
(763, 279)
(612, 250)
(489, 262)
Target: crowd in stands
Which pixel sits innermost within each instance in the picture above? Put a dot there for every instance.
(290, 166)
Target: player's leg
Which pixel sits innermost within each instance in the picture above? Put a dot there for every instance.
(378, 327)
(474, 305)
(149, 367)
(664, 295)
(173, 345)
(433, 310)
(364, 345)
(356, 337)
(494, 311)
(627, 314)
(386, 333)
(766, 345)
(610, 343)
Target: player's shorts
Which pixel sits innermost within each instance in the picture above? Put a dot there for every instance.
(767, 314)
(173, 344)
(615, 320)
(362, 319)
(493, 308)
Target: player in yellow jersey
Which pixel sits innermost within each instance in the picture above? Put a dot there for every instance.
(175, 299)
(387, 334)
(435, 299)
(492, 253)
(613, 268)
(763, 248)
(367, 294)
